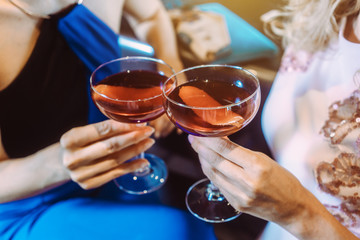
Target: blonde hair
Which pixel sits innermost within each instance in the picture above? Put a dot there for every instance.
(309, 24)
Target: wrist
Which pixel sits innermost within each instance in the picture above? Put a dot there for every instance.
(314, 221)
(58, 174)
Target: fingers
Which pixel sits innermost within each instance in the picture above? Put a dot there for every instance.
(100, 179)
(251, 181)
(237, 192)
(100, 149)
(247, 167)
(225, 148)
(105, 169)
(215, 164)
(218, 169)
(214, 155)
(81, 136)
(97, 153)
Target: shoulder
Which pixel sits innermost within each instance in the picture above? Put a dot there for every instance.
(109, 11)
(295, 60)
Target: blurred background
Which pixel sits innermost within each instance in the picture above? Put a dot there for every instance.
(249, 10)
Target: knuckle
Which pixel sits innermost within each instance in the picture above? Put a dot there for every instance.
(69, 161)
(117, 159)
(224, 146)
(75, 177)
(66, 138)
(209, 172)
(103, 128)
(112, 145)
(215, 160)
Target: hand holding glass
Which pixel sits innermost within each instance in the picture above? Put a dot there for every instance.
(129, 90)
(211, 101)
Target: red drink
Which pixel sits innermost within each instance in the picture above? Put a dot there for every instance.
(197, 107)
(132, 97)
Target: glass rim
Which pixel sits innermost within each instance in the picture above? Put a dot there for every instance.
(213, 66)
(157, 60)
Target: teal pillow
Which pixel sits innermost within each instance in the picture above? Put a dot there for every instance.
(247, 43)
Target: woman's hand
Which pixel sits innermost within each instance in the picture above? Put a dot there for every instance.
(95, 154)
(255, 184)
(251, 181)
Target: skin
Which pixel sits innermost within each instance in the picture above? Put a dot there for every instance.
(255, 184)
(149, 20)
(90, 155)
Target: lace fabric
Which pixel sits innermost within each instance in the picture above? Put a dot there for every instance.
(312, 93)
(341, 177)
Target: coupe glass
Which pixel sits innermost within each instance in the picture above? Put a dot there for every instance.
(129, 90)
(211, 101)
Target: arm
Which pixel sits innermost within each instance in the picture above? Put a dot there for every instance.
(90, 156)
(54, 165)
(255, 184)
(152, 24)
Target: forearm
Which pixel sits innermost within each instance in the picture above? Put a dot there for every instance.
(162, 37)
(159, 32)
(315, 222)
(25, 177)
(255, 184)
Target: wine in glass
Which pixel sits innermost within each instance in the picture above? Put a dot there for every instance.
(129, 90)
(211, 101)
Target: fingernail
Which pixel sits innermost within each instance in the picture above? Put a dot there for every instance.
(143, 167)
(149, 143)
(149, 131)
(157, 135)
(190, 138)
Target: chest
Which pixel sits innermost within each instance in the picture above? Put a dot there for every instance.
(297, 108)
(19, 35)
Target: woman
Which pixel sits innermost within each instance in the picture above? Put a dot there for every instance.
(311, 123)
(53, 166)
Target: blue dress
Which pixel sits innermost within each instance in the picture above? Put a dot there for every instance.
(51, 93)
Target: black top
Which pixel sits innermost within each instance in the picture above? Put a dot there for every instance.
(46, 99)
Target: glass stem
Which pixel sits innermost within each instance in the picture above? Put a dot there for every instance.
(213, 193)
(145, 170)
(141, 155)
